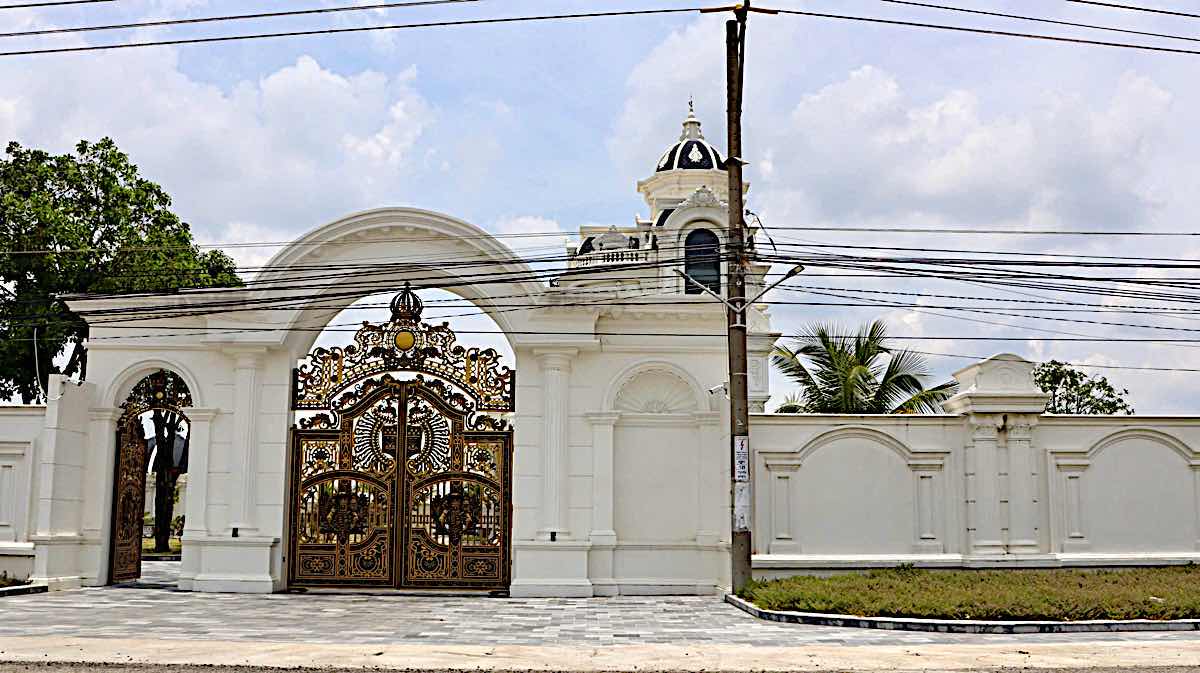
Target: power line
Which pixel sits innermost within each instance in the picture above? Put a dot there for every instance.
(1136, 8)
(284, 244)
(566, 234)
(358, 29)
(1011, 253)
(997, 232)
(53, 3)
(985, 31)
(233, 17)
(1059, 22)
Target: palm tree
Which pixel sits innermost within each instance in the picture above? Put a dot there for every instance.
(841, 374)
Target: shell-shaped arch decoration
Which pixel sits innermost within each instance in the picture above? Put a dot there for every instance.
(656, 391)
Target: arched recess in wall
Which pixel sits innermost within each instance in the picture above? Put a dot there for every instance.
(1134, 490)
(828, 474)
(702, 260)
(658, 452)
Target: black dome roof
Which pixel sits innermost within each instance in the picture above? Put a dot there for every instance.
(692, 152)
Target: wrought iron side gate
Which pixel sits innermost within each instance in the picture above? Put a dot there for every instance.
(163, 391)
(402, 482)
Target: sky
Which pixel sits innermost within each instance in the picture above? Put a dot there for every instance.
(547, 126)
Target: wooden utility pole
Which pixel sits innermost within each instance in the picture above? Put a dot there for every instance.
(739, 402)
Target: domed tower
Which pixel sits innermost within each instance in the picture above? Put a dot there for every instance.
(688, 196)
(687, 165)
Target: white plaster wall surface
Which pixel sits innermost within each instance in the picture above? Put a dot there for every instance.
(20, 428)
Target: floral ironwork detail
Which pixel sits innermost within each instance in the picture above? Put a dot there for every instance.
(405, 343)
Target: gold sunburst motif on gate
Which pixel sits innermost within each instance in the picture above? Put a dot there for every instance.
(401, 465)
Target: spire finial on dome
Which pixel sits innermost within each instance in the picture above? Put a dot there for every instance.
(691, 125)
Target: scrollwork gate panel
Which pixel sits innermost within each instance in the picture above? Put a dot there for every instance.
(402, 482)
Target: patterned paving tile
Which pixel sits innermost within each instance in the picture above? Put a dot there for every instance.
(144, 612)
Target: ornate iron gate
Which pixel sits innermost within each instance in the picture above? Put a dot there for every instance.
(402, 482)
(163, 391)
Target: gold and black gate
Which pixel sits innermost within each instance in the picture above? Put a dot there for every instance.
(162, 392)
(401, 469)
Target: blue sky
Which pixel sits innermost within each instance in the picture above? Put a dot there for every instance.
(547, 126)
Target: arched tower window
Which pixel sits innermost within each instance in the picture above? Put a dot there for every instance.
(702, 260)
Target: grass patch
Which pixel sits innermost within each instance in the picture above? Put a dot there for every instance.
(1049, 595)
(148, 545)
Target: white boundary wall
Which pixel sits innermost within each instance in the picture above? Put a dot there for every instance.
(997, 484)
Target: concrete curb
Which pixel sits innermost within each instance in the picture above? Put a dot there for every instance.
(962, 625)
(24, 590)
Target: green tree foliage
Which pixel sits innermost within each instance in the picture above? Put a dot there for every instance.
(1073, 392)
(856, 374)
(109, 230)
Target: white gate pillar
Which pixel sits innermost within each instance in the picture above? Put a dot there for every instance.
(1001, 403)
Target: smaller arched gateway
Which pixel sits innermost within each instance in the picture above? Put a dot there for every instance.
(401, 466)
(152, 438)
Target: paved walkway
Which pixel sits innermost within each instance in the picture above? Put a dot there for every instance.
(157, 618)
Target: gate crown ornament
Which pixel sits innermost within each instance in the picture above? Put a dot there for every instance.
(333, 379)
(407, 306)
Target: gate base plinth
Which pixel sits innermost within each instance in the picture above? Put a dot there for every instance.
(233, 565)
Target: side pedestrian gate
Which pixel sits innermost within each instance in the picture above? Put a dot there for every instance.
(401, 468)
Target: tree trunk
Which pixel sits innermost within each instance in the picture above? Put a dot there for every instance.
(166, 428)
(78, 360)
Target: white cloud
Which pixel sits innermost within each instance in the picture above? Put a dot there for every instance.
(528, 236)
(296, 147)
(857, 143)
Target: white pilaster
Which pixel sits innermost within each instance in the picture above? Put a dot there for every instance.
(195, 523)
(602, 476)
(100, 459)
(1022, 489)
(603, 537)
(982, 479)
(244, 501)
(556, 409)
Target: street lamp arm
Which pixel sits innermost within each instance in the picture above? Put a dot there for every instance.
(704, 288)
(794, 271)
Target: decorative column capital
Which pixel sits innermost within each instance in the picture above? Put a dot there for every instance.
(200, 414)
(555, 358)
(111, 414)
(985, 426)
(602, 418)
(249, 357)
(1020, 426)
